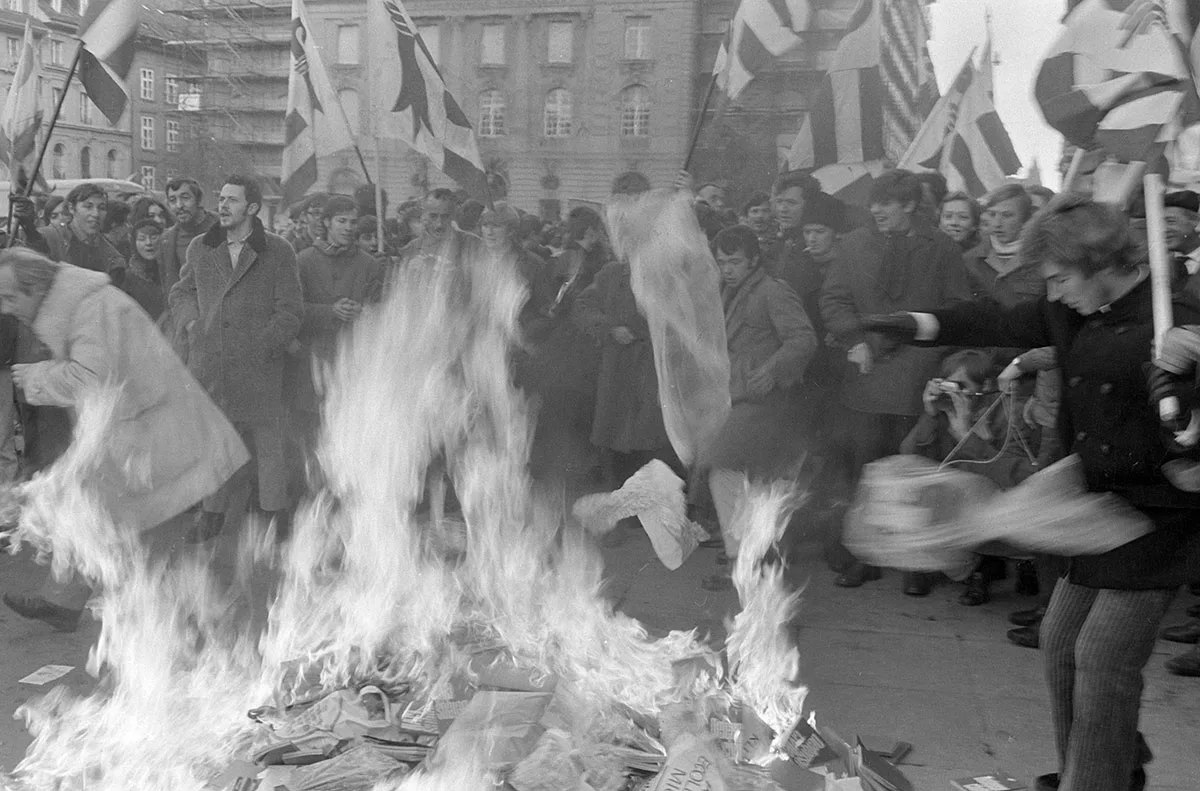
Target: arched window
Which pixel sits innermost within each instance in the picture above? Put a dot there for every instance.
(60, 154)
(491, 114)
(557, 116)
(349, 99)
(85, 163)
(110, 164)
(635, 111)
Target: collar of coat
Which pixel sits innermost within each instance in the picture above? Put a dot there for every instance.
(215, 236)
(71, 286)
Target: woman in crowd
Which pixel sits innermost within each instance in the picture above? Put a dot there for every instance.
(148, 207)
(141, 277)
(771, 342)
(55, 212)
(959, 219)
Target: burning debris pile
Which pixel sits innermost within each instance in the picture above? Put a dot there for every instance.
(403, 650)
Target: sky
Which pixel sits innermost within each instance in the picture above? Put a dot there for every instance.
(1022, 32)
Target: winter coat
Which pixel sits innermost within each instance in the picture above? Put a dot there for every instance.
(788, 262)
(873, 273)
(1106, 417)
(98, 255)
(628, 414)
(566, 358)
(169, 261)
(245, 319)
(765, 328)
(169, 446)
(327, 276)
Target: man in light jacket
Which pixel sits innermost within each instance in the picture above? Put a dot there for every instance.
(168, 445)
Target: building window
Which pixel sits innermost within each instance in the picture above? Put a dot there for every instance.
(347, 44)
(172, 136)
(432, 36)
(557, 116)
(148, 84)
(60, 154)
(56, 50)
(147, 133)
(560, 42)
(17, 5)
(171, 91)
(635, 111)
(348, 97)
(637, 38)
(14, 49)
(110, 164)
(491, 114)
(55, 95)
(148, 177)
(85, 163)
(85, 109)
(189, 100)
(491, 50)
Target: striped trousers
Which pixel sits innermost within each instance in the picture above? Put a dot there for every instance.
(1095, 642)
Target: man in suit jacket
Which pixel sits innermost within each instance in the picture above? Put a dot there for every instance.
(239, 304)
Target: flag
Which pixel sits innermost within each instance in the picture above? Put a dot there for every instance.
(925, 151)
(760, 32)
(315, 124)
(1117, 77)
(845, 122)
(22, 113)
(411, 103)
(979, 155)
(106, 33)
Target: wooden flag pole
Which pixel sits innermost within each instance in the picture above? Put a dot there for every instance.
(37, 165)
(1160, 275)
(708, 94)
(380, 216)
(1073, 170)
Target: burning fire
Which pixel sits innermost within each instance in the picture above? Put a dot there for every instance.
(371, 589)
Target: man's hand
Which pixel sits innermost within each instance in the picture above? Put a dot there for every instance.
(900, 325)
(23, 208)
(960, 415)
(761, 383)
(346, 309)
(860, 355)
(1179, 352)
(1007, 380)
(622, 335)
(1164, 385)
(19, 374)
(684, 182)
(930, 396)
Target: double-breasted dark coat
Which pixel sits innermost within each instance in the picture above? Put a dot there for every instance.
(1106, 417)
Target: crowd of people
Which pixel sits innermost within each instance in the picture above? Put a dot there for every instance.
(1035, 301)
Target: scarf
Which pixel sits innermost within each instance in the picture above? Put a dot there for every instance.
(1003, 256)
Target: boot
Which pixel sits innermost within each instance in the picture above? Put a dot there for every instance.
(35, 608)
(1027, 581)
(1187, 664)
(1183, 633)
(856, 574)
(1025, 636)
(977, 591)
(1027, 617)
(917, 583)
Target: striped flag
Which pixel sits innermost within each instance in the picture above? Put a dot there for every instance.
(411, 102)
(845, 122)
(760, 32)
(1117, 77)
(315, 124)
(107, 33)
(22, 113)
(925, 151)
(979, 154)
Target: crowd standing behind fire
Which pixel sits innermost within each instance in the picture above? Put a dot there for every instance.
(251, 312)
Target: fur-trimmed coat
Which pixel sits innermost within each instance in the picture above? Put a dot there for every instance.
(169, 445)
(245, 317)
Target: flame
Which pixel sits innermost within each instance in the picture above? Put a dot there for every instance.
(369, 587)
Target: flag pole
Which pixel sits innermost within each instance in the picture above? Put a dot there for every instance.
(1073, 170)
(37, 165)
(380, 216)
(1160, 275)
(687, 160)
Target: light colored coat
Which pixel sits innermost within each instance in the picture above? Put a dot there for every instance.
(169, 445)
(246, 317)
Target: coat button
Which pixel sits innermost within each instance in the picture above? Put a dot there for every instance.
(1074, 381)
(1081, 436)
(1106, 388)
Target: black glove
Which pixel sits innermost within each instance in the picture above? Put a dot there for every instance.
(900, 326)
(24, 212)
(1163, 385)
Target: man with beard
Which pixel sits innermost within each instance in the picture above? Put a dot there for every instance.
(239, 303)
(440, 244)
(185, 198)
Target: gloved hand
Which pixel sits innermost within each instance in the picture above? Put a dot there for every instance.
(24, 212)
(1180, 350)
(901, 325)
(1163, 385)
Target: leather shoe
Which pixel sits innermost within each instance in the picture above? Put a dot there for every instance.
(35, 608)
(1027, 617)
(1194, 611)
(916, 583)
(976, 592)
(856, 575)
(1184, 633)
(1025, 636)
(1185, 664)
(1050, 782)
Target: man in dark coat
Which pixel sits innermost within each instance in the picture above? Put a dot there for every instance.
(239, 302)
(1101, 625)
(186, 200)
(900, 264)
